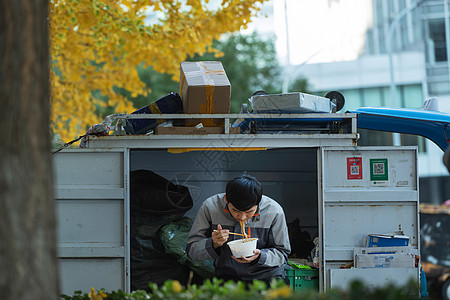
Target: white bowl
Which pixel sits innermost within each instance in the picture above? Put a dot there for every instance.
(241, 248)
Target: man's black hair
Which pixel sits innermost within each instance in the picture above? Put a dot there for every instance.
(244, 192)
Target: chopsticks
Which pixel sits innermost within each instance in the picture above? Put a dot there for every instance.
(215, 230)
(236, 233)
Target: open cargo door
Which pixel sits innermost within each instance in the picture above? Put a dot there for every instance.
(432, 125)
(368, 190)
(91, 212)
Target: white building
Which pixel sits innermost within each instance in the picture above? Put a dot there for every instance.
(344, 45)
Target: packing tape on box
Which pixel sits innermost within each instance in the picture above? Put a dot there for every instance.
(204, 74)
(209, 99)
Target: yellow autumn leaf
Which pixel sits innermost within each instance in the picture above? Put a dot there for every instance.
(281, 292)
(176, 286)
(97, 45)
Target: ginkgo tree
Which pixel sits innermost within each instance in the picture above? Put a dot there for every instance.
(97, 45)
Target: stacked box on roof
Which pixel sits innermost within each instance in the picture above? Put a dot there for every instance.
(204, 89)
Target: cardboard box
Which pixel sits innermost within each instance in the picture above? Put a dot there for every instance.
(385, 252)
(204, 89)
(387, 240)
(399, 260)
(195, 130)
(291, 103)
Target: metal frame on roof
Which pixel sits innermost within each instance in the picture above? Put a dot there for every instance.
(227, 140)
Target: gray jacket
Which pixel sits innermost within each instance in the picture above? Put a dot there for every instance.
(268, 225)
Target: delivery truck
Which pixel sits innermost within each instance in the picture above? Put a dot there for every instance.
(310, 163)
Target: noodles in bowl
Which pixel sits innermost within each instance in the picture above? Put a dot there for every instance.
(243, 247)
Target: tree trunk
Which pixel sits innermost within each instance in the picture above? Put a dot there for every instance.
(28, 263)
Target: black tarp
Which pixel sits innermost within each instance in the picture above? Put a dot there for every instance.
(155, 202)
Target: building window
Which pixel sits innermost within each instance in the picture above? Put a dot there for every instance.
(437, 36)
(380, 138)
(374, 138)
(413, 140)
(408, 96)
(412, 96)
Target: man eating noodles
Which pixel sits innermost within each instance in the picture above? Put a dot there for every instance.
(242, 208)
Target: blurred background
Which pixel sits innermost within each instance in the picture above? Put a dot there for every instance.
(392, 53)
(379, 53)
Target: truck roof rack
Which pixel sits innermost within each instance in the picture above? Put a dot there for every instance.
(313, 127)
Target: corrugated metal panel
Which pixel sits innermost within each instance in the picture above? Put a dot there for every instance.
(91, 213)
(82, 273)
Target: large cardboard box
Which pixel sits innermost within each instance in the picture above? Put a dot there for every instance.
(204, 89)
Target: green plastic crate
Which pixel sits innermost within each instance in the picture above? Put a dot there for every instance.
(303, 278)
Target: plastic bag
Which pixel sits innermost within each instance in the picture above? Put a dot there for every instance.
(155, 202)
(169, 104)
(174, 236)
(99, 129)
(315, 253)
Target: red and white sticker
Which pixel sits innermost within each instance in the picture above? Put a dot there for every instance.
(354, 168)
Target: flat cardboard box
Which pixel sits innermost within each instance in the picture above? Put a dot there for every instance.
(195, 130)
(399, 260)
(204, 89)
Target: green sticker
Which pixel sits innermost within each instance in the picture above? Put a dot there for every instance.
(379, 169)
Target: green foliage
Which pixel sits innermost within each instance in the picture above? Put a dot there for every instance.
(217, 289)
(160, 84)
(250, 62)
(300, 84)
(77, 295)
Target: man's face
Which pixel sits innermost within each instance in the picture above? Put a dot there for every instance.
(242, 215)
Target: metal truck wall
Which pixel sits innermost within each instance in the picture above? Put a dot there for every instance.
(91, 214)
(93, 209)
(370, 190)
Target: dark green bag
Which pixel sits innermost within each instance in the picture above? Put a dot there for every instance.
(173, 237)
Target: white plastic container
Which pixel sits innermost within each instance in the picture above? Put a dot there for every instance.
(241, 248)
